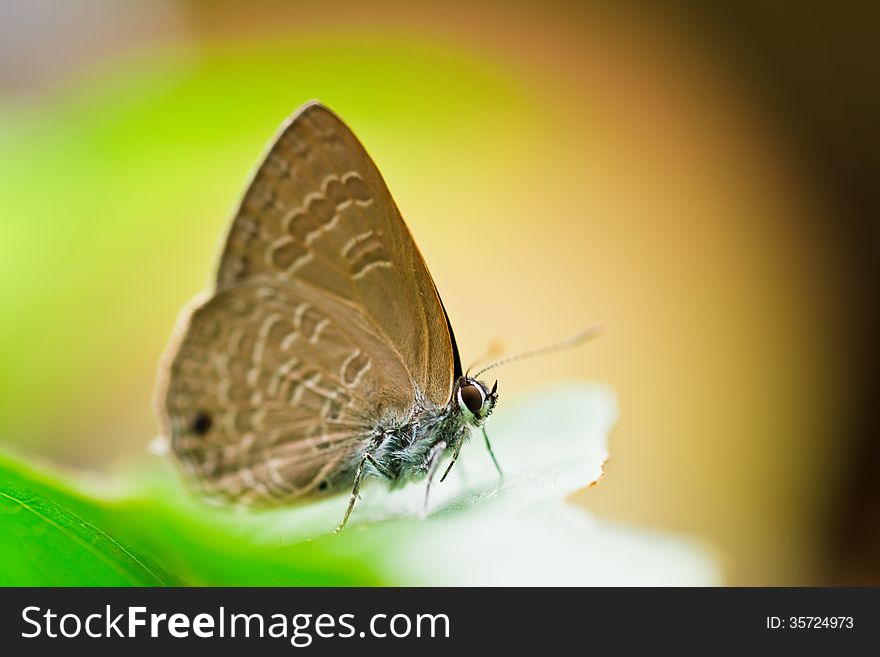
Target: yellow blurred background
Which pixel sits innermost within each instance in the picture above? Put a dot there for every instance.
(594, 163)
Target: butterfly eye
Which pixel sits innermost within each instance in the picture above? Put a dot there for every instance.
(472, 398)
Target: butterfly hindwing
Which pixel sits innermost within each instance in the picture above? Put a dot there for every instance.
(273, 390)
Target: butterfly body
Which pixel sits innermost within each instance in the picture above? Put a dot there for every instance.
(323, 354)
(406, 452)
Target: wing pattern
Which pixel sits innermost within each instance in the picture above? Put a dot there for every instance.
(323, 323)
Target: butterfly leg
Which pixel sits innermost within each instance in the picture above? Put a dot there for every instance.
(356, 487)
(433, 463)
(452, 462)
(492, 454)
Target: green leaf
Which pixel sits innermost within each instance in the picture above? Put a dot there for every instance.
(43, 543)
(107, 525)
(479, 530)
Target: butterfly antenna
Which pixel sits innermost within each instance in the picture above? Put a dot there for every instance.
(572, 342)
(493, 351)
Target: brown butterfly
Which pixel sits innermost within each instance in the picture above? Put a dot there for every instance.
(324, 353)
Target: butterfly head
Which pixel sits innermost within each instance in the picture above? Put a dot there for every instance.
(475, 400)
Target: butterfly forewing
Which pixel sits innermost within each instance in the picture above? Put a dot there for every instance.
(324, 323)
(318, 210)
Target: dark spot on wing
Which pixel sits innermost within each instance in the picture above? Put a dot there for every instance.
(201, 424)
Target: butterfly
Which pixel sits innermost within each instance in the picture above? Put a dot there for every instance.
(324, 354)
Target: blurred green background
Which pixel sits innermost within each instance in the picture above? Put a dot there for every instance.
(631, 166)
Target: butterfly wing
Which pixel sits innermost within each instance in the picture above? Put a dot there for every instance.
(318, 210)
(273, 390)
(323, 323)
